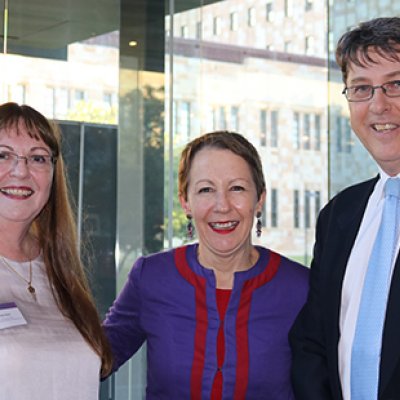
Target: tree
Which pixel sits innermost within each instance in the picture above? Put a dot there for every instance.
(90, 111)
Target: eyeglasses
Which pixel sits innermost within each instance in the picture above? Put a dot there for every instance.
(366, 92)
(35, 162)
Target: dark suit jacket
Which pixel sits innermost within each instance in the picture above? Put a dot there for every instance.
(315, 334)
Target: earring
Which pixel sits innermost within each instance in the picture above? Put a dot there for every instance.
(189, 227)
(259, 224)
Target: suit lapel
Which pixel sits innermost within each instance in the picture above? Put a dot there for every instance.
(349, 220)
(349, 213)
(391, 332)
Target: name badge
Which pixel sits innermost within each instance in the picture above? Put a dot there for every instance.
(10, 316)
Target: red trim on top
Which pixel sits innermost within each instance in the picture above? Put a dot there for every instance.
(242, 345)
(222, 297)
(199, 285)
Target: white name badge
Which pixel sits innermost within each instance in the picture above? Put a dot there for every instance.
(10, 316)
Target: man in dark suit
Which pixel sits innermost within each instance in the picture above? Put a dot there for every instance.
(323, 338)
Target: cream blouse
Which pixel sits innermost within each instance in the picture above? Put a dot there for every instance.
(46, 359)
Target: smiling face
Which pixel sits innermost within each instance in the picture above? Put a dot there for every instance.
(23, 191)
(376, 122)
(222, 199)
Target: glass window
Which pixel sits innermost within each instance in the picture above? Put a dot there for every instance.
(269, 11)
(183, 118)
(288, 4)
(264, 215)
(251, 17)
(79, 95)
(309, 45)
(221, 118)
(233, 21)
(348, 136)
(108, 99)
(234, 123)
(339, 134)
(307, 132)
(317, 198)
(184, 31)
(263, 128)
(331, 44)
(274, 208)
(214, 119)
(296, 130)
(199, 28)
(317, 131)
(274, 129)
(307, 218)
(216, 26)
(296, 209)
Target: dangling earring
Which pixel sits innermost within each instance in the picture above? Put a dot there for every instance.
(259, 224)
(189, 227)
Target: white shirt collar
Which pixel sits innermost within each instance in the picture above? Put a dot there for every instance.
(377, 194)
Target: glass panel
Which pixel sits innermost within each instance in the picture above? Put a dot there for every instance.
(140, 205)
(99, 205)
(307, 132)
(274, 208)
(90, 157)
(263, 128)
(317, 132)
(251, 71)
(296, 130)
(296, 209)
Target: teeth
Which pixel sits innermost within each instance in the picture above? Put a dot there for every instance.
(383, 127)
(17, 192)
(224, 225)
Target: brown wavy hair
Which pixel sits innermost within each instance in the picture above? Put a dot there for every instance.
(55, 230)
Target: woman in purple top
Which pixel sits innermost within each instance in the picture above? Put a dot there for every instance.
(215, 315)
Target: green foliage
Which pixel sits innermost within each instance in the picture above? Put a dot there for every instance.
(89, 111)
(153, 180)
(179, 220)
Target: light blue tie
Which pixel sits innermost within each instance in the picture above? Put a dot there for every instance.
(366, 351)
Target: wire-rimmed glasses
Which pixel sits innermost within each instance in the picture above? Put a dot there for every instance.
(35, 162)
(365, 92)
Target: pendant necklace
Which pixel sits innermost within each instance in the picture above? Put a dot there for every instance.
(30, 288)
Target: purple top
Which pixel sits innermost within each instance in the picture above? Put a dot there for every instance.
(169, 301)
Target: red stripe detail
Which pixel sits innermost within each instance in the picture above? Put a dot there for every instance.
(199, 285)
(223, 296)
(242, 344)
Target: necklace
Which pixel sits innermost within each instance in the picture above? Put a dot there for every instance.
(30, 288)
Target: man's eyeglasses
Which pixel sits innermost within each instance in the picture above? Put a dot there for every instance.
(35, 162)
(366, 92)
